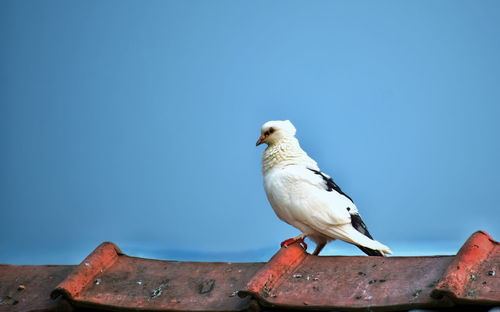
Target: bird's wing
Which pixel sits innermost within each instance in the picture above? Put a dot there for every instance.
(328, 183)
(310, 201)
(317, 204)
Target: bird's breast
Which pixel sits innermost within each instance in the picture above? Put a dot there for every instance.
(279, 189)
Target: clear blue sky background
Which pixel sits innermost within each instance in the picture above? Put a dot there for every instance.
(136, 122)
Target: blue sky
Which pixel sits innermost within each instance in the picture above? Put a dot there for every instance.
(135, 122)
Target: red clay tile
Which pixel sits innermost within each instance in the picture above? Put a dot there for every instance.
(115, 281)
(472, 276)
(295, 279)
(110, 280)
(104, 256)
(28, 287)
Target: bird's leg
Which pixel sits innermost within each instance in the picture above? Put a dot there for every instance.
(318, 249)
(299, 239)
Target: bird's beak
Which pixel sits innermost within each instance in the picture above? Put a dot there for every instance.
(261, 140)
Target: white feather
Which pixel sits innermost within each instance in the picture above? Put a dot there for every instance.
(298, 195)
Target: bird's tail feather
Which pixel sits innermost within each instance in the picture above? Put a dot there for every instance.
(349, 234)
(371, 252)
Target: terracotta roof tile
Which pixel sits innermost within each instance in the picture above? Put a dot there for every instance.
(472, 275)
(37, 280)
(110, 280)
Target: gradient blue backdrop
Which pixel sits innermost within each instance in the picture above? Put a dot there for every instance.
(136, 122)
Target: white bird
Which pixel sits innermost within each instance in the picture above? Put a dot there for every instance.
(304, 197)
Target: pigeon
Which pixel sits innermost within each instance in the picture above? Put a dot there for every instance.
(306, 198)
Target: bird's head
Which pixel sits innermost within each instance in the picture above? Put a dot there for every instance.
(273, 131)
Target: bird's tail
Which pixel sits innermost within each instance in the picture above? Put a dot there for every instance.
(349, 234)
(371, 252)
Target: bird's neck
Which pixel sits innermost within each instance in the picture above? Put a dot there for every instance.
(285, 152)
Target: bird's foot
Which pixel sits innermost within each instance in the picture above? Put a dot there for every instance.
(290, 241)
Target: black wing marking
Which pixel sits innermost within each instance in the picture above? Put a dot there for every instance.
(356, 220)
(360, 226)
(330, 184)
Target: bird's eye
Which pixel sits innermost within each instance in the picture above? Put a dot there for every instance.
(271, 130)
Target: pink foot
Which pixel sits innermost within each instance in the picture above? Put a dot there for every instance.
(290, 241)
